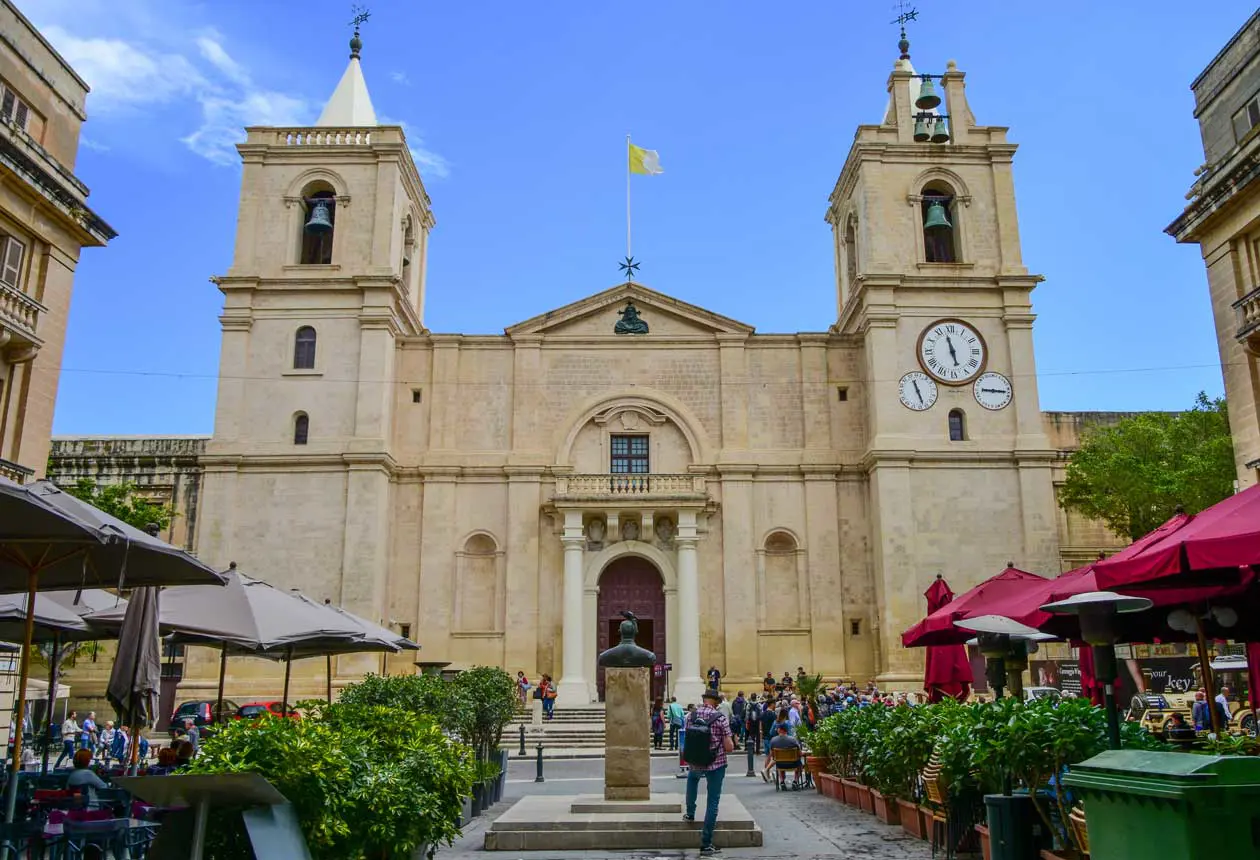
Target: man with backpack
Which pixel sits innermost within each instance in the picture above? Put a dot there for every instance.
(706, 741)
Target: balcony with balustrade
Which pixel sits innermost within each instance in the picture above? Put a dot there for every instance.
(15, 472)
(19, 324)
(1248, 310)
(630, 488)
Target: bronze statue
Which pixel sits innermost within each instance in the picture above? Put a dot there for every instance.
(630, 322)
(627, 653)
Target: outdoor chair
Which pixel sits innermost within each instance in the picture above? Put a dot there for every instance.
(1080, 833)
(786, 760)
(83, 839)
(934, 792)
(20, 838)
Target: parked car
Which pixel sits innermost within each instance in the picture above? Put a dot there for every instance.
(1051, 693)
(254, 710)
(200, 712)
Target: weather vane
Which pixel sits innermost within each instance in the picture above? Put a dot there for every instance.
(904, 15)
(361, 15)
(630, 267)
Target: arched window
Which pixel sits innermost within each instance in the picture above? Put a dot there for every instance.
(940, 241)
(850, 253)
(301, 428)
(304, 349)
(319, 218)
(957, 426)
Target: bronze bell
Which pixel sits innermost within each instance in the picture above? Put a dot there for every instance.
(320, 221)
(928, 98)
(936, 217)
(921, 129)
(940, 130)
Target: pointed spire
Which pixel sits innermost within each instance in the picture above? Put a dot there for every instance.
(350, 105)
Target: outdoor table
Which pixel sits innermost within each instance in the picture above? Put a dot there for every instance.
(200, 792)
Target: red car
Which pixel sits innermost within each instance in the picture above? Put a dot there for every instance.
(254, 710)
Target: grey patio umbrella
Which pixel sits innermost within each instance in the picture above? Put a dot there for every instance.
(50, 541)
(373, 637)
(85, 601)
(136, 677)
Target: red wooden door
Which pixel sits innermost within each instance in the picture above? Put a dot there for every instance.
(632, 583)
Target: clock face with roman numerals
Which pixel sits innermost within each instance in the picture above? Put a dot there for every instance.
(952, 352)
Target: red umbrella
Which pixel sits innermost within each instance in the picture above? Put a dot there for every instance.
(1226, 535)
(938, 628)
(946, 671)
(1091, 686)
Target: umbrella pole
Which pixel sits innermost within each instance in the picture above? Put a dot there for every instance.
(1209, 686)
(288, 664)
(218, 704)
(19, 713)
(328, 657)
(52, 696)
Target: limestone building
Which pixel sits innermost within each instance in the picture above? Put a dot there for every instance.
(1223, 219)
(761, 501)
(44, 222)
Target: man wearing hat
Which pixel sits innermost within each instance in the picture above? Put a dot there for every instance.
(711, 766)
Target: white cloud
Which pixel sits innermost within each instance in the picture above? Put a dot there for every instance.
(89, 143)
(213, 52)
(400, 78)
(123, 75)
(225, 117)
(430, 163)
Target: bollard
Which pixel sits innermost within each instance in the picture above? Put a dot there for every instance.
(539, 778)
(522, 739)
(751, 752)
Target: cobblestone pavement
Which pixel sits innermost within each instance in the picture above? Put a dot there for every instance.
(798, 825)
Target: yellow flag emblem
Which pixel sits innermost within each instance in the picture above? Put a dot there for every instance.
(644, 161)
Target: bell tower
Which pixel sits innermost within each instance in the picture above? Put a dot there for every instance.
(328, 275)
(930, 282)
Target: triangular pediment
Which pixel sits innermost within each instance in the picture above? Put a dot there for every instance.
(598, 315)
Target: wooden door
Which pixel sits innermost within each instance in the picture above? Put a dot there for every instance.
(635, 584)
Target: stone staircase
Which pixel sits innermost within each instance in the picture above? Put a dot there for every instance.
(569, 729)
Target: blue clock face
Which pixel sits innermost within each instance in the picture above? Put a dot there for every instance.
(952, 352)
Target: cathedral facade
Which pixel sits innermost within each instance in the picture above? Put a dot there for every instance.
(760, 501)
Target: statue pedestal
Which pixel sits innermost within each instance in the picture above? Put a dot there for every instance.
(627, 759)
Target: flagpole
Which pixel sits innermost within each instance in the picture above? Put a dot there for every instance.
(627, 196)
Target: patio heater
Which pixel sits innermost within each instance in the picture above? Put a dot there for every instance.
(1097, 611)
(1004, 643)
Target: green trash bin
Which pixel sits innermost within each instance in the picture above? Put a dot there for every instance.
(1140, 805)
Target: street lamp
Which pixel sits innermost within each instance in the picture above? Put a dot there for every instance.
(1004, 643)
(1097, 611)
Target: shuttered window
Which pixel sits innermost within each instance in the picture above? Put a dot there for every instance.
(11, 253)
(13, 109)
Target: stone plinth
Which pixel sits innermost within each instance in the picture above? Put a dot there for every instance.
(627, 759)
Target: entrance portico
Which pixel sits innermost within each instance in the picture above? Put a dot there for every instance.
(583, 567)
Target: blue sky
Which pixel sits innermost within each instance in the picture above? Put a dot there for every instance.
(517, 113)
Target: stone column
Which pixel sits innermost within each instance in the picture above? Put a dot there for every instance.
(689, 685)
(573, 689)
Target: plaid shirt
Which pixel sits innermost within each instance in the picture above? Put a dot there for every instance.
(719, 731)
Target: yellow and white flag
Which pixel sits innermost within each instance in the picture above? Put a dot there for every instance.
(644, 161)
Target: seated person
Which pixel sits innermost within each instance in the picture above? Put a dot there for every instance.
(165, 763)
(82, 775)
(184, 755)
(768, 683)
(784, 741)
(788, 682)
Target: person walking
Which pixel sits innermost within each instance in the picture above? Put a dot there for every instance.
(737, 715)
(658, 723)
(752, 722)
(549, 697)
(69, 739)
(676, 714)
(706, 741)
(87, 732)
(522, 688)
(768, 719)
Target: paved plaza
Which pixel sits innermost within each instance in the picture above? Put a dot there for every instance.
(797, 825)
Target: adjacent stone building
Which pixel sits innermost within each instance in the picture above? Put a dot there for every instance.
(1223, 219)
(44, 222)
(761, 501)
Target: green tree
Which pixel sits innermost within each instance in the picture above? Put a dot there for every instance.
(122, 501)
(1132, 475)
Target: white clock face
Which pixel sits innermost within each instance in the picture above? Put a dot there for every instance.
(993, 391)
(918, 391)
(952, 352)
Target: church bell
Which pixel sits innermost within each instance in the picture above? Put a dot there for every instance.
(936, 217)
(319, 222)
(921, 129)
(928, 98)
(940, 131)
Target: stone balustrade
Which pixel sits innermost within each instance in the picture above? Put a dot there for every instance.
(1248, 310)
(629, 486)
(322, 136)
(19, 313)
(14, 471)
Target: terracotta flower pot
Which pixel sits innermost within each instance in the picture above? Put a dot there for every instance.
(984, 841)
(864, 798)
(911, 820)
(830, 786)
(816, 765)
(885, 807)
(850, 787)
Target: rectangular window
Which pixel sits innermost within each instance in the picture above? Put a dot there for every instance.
(404, 630)
(842, 394)
(11, 252)
(629, 455)
(416, 395)
(855, 627)
(13, 110)
(1246, 118)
